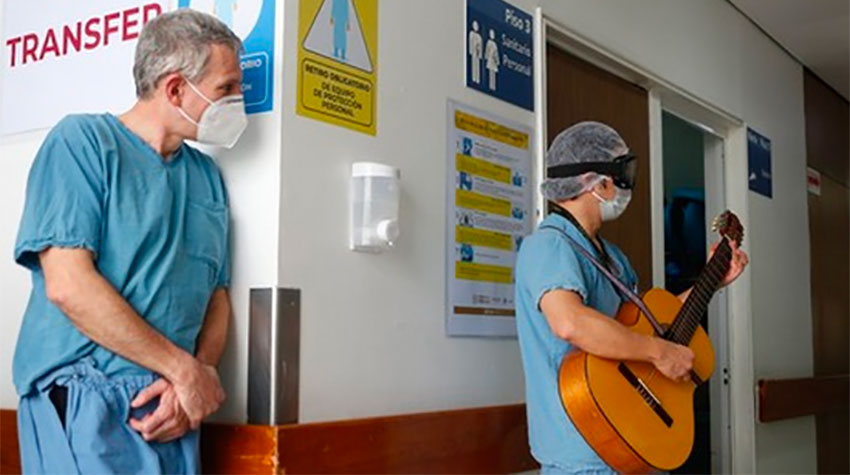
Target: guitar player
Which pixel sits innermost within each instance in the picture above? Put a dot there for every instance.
(563, 300)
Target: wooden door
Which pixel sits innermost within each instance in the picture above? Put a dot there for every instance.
(579, 91)
(827, 150)
(829, 221)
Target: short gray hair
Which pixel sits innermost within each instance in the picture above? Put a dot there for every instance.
(583, 142)
(180, 42)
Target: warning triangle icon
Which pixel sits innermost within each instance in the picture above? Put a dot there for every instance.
(337, 34)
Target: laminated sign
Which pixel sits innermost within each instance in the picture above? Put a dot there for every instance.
(488, 213)
(253, 23)
(338, 62)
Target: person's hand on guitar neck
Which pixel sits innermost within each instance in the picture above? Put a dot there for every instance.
(739, 262)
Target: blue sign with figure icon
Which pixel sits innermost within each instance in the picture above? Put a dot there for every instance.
(758, 153)
(253, 22)
(500, 51)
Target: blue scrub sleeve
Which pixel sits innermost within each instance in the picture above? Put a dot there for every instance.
(223, 279)
(554, 265)
(64, 195)
(224, 272)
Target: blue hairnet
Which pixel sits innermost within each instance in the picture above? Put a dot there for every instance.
(583, 142)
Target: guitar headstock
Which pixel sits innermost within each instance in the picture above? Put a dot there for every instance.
(729, 226)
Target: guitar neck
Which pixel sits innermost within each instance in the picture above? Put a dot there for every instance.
(688, 320)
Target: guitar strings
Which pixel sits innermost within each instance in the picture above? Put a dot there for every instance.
(685, 325)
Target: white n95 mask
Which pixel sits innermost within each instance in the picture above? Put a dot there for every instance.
(613, 208)
(222, 122)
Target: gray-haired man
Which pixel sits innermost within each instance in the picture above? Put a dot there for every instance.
(125, 230)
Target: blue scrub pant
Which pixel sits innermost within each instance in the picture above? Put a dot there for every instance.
(96, 437)
(592, 470)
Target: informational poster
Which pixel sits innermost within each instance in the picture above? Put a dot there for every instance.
(60, 58)
(338, 62)
(253, 23)
(500, 51)
(489, 212)
(759, 154)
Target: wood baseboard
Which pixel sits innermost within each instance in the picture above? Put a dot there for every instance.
(478, 440)
(787, 398)
(10, 461)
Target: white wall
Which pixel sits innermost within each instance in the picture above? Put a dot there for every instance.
(15, 159)
(252, 174)
(372, 326)
(373, 339)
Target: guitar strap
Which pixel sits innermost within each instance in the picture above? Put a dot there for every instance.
(620, 286)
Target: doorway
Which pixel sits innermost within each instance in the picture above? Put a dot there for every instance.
(694, 190)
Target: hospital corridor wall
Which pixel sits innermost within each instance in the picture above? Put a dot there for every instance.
(373, 339)
(386, 316)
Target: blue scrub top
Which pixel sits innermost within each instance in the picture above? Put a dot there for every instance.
(159, 231)
(547, 261)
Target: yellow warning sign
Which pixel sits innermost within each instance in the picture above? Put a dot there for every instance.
(338, 62)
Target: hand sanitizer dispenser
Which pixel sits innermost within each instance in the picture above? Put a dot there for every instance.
(374, 200)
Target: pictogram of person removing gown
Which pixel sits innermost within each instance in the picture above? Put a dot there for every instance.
(476, 47)
(224, 10)
(341, 26)
(491, 58)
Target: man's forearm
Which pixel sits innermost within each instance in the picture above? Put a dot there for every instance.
(213, 336)
(603, 336)
(593, 331)
(102, 314)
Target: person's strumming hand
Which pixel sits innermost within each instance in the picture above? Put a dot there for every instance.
(673, 360)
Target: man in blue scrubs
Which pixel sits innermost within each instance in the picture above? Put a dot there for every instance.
(125, 232)
(563, 300)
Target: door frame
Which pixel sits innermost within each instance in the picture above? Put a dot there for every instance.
(665, 95)
(714, 163)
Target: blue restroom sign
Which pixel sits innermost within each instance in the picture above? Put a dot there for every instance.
(758, 153)
(499, 51)
(253, 22)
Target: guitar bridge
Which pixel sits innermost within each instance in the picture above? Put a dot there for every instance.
(647, 395)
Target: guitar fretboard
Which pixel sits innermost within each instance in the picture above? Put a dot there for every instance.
(688, 320)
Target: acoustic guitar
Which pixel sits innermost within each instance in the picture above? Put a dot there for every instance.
(634, 417)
